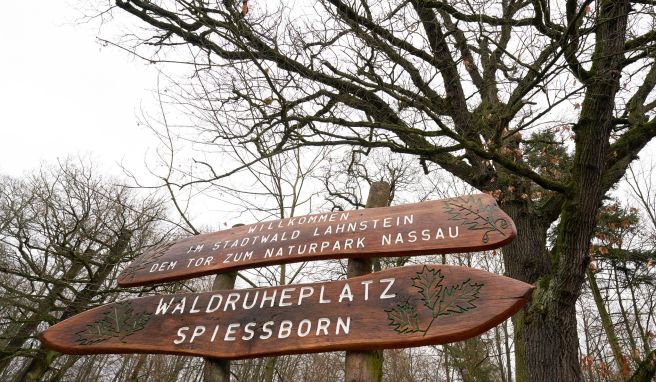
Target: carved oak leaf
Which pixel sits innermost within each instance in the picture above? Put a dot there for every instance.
(429, 283)
(119, 322)
(403, 317)
(475, 215)
(438, 299)
(145, 260)
(458, 298)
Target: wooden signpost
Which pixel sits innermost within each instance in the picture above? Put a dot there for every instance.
(462, 224)
(400, 307)
(407, 306)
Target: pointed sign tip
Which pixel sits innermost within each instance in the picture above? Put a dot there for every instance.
(49, 339)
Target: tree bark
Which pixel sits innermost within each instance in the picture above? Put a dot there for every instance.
(526, 259)
(366, 366)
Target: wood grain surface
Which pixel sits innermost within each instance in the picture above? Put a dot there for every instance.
(401, 307)
(463, 224)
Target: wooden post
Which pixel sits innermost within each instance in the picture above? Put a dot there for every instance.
(218, 370)
(366, 366)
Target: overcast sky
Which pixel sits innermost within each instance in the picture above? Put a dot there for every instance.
(62, 93)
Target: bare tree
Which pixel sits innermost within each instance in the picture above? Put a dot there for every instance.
(542, 104)
(66, 232)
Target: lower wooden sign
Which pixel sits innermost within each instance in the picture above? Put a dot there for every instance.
(401, 307)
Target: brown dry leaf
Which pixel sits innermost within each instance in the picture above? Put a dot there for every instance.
(586, 362)
(468, 65)
(518, 137)
(244, 8)
(603, 370)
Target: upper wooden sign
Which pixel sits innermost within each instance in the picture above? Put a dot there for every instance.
(462, 224)
(408, 306)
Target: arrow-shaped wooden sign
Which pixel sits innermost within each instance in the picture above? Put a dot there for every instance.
(462, 224)
(408, 306)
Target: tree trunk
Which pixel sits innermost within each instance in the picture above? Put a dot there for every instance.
(545, 341)
(546, 335)
(65, 366)
(471, 358)
(269, 369)
(135, 374)
(366, 366)
(606, 323)
(497, 342)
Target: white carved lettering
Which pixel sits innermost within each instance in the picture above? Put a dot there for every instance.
(389, 282)
(181, 334)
